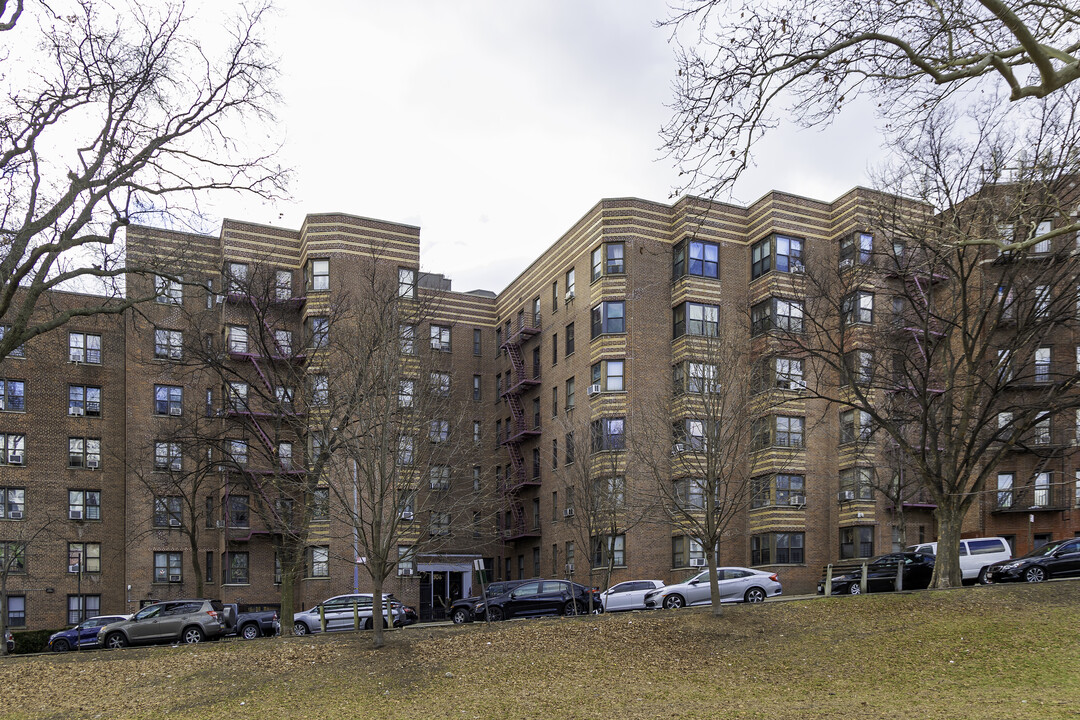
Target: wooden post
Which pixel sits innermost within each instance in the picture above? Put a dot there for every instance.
(322, 618)
(828, 579)
(900, 575)
(862, 580)
(356, 615)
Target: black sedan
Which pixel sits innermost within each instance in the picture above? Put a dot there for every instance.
(465, 610)
(542, 597)
(881, 574)
(1060, 558)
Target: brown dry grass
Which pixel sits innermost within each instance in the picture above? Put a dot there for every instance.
(994, 652)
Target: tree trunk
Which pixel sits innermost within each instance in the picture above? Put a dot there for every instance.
(196, 566)
(714, 581)
(377, 640)
(288, 591)
(947, 563)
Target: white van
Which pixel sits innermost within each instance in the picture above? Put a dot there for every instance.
(975, 555)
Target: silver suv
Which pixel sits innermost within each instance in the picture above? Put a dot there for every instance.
(186, 621)
(339, 614)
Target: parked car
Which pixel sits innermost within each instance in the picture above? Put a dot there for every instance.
(976, 554)
(629, 595)
(249, 622)
(83, 635)
(186, 621)
(737, 584)
(340, 615)
(541, 597)
(881, 574)
(464, 610)
(1059, 558)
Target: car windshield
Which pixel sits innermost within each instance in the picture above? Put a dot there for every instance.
(1044, 550)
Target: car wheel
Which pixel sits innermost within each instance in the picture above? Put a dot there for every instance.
(300, 629)
(1034, 574)
(854, 589)
(61, 646)
(115, 641)
(754, 595)
(369, 624)
(673, 602)
(249, 632)
(460, 616)
(573, 607)
(495, 614)
(982, 577)
(192, 635)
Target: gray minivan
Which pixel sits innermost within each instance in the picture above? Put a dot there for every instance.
(340, 615)
(976, 554)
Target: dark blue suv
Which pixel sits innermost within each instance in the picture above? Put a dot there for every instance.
(83, 635)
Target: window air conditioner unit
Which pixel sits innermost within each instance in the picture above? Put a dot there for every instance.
(75, 358)
(592, 389)
(174, 411)
(846, 263)
(697, 562)
(76, 411)
(568, 512)
(174, 578)
(846, 495)
(219, 524)
(678, 448)
(92, 464)
(405, 572)
(74, 514)
(569, 568)
(15, 459)
(406, 515)
(174, 522)
(15, 515)
(569, 295)
(797, 500)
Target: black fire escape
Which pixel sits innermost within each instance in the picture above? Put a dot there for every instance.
(519, 430)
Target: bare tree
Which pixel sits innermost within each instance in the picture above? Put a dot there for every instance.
(700, 468)
(957, 375)
(115, 113)
(745, 67)
(14, 550)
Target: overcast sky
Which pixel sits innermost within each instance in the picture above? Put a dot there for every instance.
(495, 125)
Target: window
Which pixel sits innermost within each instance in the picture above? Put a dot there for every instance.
(1042, 364)
(696, 319)
(778, 313)
(476, 346)
(855, 425)
(860, 366)
(12, 504)
(237, 451)
(320, 390)
(440, 523)
(856, 542)
(608, 374)
(1005, 490)
(608, 317)
(1007, 300)
(20, 351)
(440, 338)
(84, 347)
(234, 567)
(476, 431)
(167, 456)
(858, 307)
(608, 259)
(609, 548)
(84, 557)
(569, 339)
(778, 431)
(12, 449)
(1043, 246)
(700, 377)
(16, 610)
(407, 335)
(84, 453)
(689, 493)
(684, 549)
(405, 450)
(787, 373)
(168, 511)
(319, 277)
(476, 480)
(690, 434)
(777, 549)
(237, 393)
(13, 557)
(1004, 365)
(440, 384)
(440, 477)
(476, 388)
(693, 257)
(168, 399)
(568, 444)
(81, 607)
(1041, 434)
(570, 394)
(239, 515)
(168, 344)
(857, 483)
(787, 252)
(84, 400)
(285, 455)
(406, 283)
(237, 339)
(319, 331)
(607, 434)
(236, 275)
(12, 395)
(848, 255)
(167, 291)
(783, 490)
(318, 562)
(1042, 301)
(282, 285)
(406, 564)
(569, 284)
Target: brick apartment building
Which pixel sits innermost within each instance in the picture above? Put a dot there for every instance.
(553, 371)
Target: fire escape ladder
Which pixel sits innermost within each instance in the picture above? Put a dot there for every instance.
(266, 381)
(517, 461)
(517, 410)
(513, 350)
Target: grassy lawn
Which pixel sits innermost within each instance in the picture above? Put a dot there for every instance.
(986, 652)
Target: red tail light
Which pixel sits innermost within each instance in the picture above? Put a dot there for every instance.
(212, 613)
(774, 578)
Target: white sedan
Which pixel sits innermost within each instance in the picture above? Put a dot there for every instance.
(737, 584)
(629, 595)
